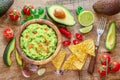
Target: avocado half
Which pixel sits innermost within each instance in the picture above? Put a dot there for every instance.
(111, 36)
(68, 20)
(8, 51)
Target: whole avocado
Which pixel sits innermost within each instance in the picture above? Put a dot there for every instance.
(108, 7)
(4, 6)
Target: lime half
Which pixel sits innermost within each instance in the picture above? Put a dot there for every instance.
(86, 18)
(86, 29)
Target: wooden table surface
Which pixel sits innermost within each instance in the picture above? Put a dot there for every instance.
(14, 72)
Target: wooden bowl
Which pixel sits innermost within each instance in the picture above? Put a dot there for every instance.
(17, 41)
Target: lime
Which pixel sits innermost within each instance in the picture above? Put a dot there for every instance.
(86, 18)
(86, 29)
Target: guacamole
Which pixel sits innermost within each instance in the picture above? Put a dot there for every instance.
(38, 42)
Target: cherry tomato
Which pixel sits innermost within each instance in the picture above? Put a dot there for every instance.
(76, 42)
(27, 8)
(115, 66)
(104, 58)
(79, 36)
(66, 43)
(8, 33)
(14, 15)
(102, 70)
(65, 32)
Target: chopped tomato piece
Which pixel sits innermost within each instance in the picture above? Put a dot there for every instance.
(27, 9)
(8, 33)
(47, 50)
(79, 36)
(27, 36)
(40, 46)
(66, 43)
(30, 46)
(35, 32)
(14, 15)
(76, 42)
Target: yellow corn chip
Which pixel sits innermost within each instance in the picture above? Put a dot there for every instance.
(90, 47)
(86, 47)
(58, 60)
(68, 64)
(78, 64)
(79, 54)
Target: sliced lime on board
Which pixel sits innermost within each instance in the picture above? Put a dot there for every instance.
(86, 29)
(86, 18)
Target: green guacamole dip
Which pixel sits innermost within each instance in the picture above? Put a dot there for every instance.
(38, 42)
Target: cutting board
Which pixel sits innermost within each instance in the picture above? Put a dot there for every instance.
(14, 72)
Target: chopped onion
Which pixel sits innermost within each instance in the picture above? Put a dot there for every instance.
(33, 68)
(41, 71)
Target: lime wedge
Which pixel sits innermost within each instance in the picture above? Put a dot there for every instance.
(86, 18)
(86, 29)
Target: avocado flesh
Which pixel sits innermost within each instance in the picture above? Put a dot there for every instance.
(68, 20)
(18, 59)
(8, 50)
(111, 36)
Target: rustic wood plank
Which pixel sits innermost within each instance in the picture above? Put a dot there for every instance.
(14, 72)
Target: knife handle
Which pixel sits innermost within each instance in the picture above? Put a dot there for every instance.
(93, 61)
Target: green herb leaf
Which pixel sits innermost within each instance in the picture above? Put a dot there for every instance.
(22, 12)
(23, 21)
(36, 15)
(40, 10)
(46, 8)
(33, 11)
(79, 10)
(44, 17)
(29, 18)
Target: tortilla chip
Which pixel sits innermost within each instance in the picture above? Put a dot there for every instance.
(58, 60)
(87, 47)
(90, 47)
(68, 64)
(78, 64)
(79, 54)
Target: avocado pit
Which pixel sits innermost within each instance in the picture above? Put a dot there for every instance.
(59, 13)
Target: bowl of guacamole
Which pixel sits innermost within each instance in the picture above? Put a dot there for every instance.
(38, 41)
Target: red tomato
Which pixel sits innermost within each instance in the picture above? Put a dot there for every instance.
(115, 66)
(66, 43)
(76, 42)
(27, 9)
(79, 36)
(104, 58)
(102, 70)
(8, 33)
(14, 15)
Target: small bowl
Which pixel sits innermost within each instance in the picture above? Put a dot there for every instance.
(17, 41)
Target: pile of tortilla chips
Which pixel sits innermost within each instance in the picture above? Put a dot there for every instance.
(79, 54)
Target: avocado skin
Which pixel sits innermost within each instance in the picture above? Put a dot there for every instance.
(106, 45)
(7, 54)
(4, 6)
(108, 7)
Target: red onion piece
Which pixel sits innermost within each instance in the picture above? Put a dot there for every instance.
(25, 73)
(33, 68)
